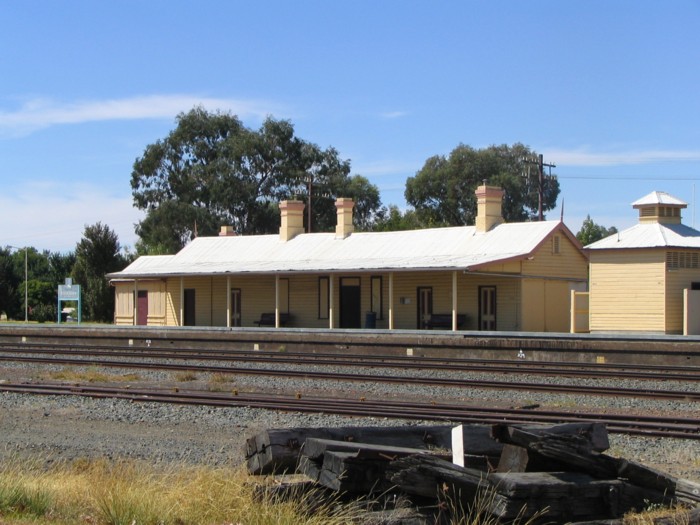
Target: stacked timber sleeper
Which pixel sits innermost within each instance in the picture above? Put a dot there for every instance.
(524, 469)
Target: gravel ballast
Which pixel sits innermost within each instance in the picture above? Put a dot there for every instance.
(63, 427)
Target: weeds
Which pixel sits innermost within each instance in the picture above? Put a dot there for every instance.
(91, 375)
(481, 509)
(128, 492)
(676, 516)
(187, 375)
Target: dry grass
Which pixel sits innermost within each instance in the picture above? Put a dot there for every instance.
(478, 511)
(128, 493)
(679, 516)
(91, 375)
(185, 376)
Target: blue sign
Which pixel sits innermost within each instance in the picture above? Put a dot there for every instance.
(68, 292)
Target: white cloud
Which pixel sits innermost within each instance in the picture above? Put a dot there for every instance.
(584, 157)
(47, 217)
(39, 113)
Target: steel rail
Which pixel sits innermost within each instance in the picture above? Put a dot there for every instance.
(402, 379)
(588, 370)
(676, 427)
(204, 353)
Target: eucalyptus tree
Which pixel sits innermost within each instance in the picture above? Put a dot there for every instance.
(442, 191)
(211, 171)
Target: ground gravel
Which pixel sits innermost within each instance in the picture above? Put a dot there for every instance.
(61, 427)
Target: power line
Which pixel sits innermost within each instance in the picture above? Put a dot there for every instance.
(632, 178)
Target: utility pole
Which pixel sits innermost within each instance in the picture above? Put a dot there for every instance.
(308, 210)
(540, 189)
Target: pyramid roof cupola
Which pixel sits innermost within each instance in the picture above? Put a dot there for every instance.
(659, 207)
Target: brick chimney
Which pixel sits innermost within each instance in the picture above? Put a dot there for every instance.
(488, 207)
(292, 223)
(227, 231)
(344, 226)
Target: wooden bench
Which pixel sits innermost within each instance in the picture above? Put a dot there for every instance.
(268, 319)
(444, 321)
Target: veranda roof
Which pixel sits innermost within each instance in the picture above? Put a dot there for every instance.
(457, 248)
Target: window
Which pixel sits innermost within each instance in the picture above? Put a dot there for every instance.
(323, 297)
(377, 303)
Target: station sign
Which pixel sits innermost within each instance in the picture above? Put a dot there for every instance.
(68, 292)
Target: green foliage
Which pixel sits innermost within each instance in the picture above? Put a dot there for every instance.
(17, 498)
(45, 271)
(97, 254)
(442, 192)
(394, 220)
(9, 284)
(591, 232)
(211, 171)
(43, 313)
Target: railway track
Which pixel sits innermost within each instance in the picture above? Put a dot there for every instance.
(277, 364)
(679, 395)
(519, 366)
(670, 427)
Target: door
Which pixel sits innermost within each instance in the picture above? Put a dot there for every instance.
(236, 315)
(487, 308)
(189, 307)
(142, 307)
(425, 307)
(350, 313)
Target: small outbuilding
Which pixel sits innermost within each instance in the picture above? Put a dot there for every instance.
(642, 279)
(490, 276)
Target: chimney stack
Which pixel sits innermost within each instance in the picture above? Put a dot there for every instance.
(488, 207)
(292, 223)
(344, 226)
(227, 231)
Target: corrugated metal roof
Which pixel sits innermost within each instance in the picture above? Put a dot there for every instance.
(651, 235)
(436, 248)
(658, 197)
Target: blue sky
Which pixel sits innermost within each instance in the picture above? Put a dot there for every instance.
(609, 91)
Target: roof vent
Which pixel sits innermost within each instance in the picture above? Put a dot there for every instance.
(659, 207)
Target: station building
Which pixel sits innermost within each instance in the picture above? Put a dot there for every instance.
(647, 278)
(491, 276)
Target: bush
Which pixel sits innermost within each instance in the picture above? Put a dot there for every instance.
(43, 313)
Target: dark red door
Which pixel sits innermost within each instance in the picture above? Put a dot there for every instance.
(142, 306)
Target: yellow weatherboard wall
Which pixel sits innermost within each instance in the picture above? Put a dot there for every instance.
(628, 290)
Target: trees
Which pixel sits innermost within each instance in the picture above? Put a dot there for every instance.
(10, 281)
(45, 271)
(211, 170)
(393, 219)
(442, 192)
(591, 232)
(97, 254)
